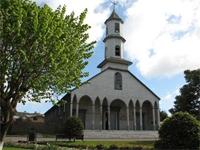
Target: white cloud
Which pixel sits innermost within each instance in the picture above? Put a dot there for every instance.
(163, 36)
(96, 15)
(167, 102)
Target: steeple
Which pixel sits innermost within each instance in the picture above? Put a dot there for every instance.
(114, 16)
(114, 42)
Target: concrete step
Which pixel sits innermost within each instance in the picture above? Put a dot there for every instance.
(120, 134)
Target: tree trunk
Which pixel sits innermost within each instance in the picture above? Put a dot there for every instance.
(8, 109)
(1, 145)
(4, 129)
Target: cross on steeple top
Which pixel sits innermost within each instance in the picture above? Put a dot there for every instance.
(114, 2)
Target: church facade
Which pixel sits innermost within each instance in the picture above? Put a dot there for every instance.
(114, 99)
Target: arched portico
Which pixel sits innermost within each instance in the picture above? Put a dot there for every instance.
(115, 115)
(86, 111)
(147, 113)
(118, 116)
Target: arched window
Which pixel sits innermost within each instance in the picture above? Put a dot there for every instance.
(117, 50)
(117, 29)
(118, 81)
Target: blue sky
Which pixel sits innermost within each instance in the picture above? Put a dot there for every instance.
(162, 41)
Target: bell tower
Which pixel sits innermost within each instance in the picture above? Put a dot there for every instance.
(114, 44)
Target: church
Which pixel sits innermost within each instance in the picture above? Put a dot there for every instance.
(114, 99)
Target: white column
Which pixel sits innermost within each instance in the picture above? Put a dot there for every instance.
(127, 113)
(108, 117)
(154, 126)
(77, 109)
(101, 117)
(93, 116)
(71, 109)
(134, 117)
(141, 126)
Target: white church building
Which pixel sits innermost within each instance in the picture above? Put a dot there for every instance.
(114, 99)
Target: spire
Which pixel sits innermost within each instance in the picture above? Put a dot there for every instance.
(114, 15)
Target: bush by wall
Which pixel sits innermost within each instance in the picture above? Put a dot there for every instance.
(180, 131)
(73, 128)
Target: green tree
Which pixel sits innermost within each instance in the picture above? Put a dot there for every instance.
(73, 128)
(180, 131)
(189, 98)
(163, 115)
(42, 52)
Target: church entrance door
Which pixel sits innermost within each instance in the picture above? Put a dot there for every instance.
(114, 120)
(105, 121)
(118, 115)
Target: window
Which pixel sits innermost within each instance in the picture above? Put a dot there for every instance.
(117, 50)
(118, 81)
(117, 27)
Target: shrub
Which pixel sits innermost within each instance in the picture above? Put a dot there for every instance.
(125, 148)
(47, 147)
(113, 147)
(100, 147)
(73, 128)
(179, 131)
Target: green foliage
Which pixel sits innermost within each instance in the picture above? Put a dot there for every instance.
(73, 127)
(180, 131)
(189, 98)
(42, 52)
(19, 145)
(100, 147)
(47, 147)
(41, 49)
(113, 147)
(163, 115)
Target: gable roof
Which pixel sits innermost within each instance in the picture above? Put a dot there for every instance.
(110, 68)
(136, 79)
(144, 85)
(65, 97)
